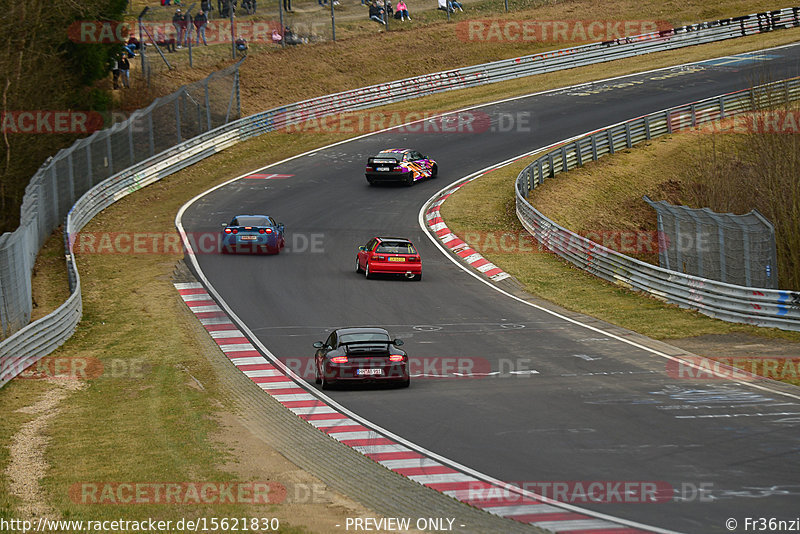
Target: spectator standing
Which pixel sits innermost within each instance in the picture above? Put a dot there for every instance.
(115, 72)
(287, 5)
(200, 22)
(125, 71)
(186, 27)
(177, 23)
(402, 11)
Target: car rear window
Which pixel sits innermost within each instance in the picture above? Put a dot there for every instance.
(252, 221)
(389, 247)
(363, 336)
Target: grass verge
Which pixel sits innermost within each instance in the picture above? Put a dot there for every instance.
(602, 194)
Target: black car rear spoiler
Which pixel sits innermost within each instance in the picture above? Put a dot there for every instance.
(365, 346)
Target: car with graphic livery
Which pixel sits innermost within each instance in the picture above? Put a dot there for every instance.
(252, 234)
(399, 165)
(390, 256)
(360, 355)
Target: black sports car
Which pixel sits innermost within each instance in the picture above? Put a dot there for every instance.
(352, 355)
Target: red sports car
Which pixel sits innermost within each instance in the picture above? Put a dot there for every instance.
(389, 255)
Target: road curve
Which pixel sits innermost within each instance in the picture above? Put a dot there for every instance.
(553, 401)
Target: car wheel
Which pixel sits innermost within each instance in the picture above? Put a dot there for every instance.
(435, 171)
(366, 271)
(409, 179)
(406, 383)
(370, 181)
(417, 277)
(358, 267)
(325, 384)
(317, 379)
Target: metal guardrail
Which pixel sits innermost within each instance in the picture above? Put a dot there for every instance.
(45, 335)
(756, 306)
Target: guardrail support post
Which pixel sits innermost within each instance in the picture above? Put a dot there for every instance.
(647, 127)
(578, 155)
(610, 137)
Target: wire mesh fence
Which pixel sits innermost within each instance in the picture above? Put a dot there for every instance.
(735, 249)
(186, 113)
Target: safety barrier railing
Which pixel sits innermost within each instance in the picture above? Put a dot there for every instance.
(45, 335)
(757, 306)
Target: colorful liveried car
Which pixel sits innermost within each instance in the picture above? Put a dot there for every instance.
(252, 233)
(389, 255)
(353, 355)
(400, 165)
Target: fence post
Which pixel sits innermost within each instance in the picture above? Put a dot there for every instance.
(178, 116)
(109, 157)
(71, 179)
(150, 133)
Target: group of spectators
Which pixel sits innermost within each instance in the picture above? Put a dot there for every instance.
(121, 71)
(450, 5)
(378, 9)
(183, 30)
(224, 7)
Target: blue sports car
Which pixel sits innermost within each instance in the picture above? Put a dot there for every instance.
(252, 233)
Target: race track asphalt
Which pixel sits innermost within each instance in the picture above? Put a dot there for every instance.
(597, 409)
